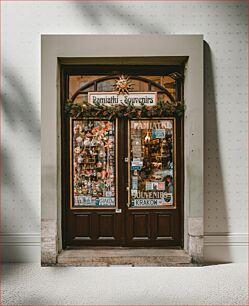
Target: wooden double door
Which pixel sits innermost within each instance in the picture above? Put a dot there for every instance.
(144, 180)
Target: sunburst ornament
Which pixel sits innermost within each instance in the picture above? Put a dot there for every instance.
(123, 85)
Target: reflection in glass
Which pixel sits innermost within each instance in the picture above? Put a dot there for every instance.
(152, 163)
(93, 163)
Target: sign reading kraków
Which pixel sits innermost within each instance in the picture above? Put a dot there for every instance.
(112, 98)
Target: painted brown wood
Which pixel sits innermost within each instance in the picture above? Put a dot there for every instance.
(132, 228)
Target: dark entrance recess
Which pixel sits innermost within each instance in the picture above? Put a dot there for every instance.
(122, 225)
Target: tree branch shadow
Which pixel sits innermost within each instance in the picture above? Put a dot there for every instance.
(20, 115)
(18, 102)
(123, 17)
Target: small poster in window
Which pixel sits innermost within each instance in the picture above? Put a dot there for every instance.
(134, 182)
(168, 198)
(147, 202)
(106, 202)
(137, 162)
(166, 201)
(155, 186)
(158, 133)
(83, 201)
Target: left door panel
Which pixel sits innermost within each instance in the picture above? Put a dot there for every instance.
(92, 184)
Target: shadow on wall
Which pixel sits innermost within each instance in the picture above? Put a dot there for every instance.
(18, 108)
(215, 211)
(23, 125)
(123, 17)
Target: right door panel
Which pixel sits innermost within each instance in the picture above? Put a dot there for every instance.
(155, 178)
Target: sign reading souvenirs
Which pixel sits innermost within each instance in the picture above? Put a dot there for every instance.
(113, 98)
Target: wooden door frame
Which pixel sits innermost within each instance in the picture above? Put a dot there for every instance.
(126, 49)
(67, 70)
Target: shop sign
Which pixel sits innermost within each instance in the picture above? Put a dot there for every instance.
(113, 98)
(157, 125)
(106, 202)
(136, 164)
(158, 133)
(149, 202)
(136, 167)
(134, 182)
(155, 186)
(152, 194)
(84, 201)
(166, 201)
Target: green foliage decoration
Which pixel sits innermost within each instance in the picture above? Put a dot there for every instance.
(129, 111)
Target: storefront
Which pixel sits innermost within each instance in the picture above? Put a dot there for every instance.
(122, 149)
(122, 155)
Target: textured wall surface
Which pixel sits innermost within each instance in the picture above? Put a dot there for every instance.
(224, 26)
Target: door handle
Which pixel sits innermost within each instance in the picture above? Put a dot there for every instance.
(118, 211)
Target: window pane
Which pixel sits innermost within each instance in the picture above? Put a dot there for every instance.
(152, 163)
(77, 81)
(93, 144)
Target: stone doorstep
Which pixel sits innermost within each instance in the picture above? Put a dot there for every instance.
(130, 257)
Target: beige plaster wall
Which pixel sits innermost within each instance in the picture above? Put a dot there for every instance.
(55, 47)
(224, 25)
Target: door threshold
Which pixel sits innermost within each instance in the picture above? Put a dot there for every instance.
(122, 248)
(123, 257)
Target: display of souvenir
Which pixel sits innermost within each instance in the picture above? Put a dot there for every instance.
(152, 163)
(93, 163)
(87, 142)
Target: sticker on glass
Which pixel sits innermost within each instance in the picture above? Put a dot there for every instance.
(158, 133)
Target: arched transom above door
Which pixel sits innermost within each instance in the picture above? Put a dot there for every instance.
(167, 87)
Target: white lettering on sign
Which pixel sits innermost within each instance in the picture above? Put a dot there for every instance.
(153, 202)
(151, 194)
(106, 201)
(162, 124)
(84, 201)
(112, 98)
(150, 202)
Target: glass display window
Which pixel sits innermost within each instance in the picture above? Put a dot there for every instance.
(122, 155)
(93, 163)
(152, 163)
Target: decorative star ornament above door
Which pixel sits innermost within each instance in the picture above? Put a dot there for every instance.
(123, 85)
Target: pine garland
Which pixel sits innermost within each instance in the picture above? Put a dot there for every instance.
(129, 111)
